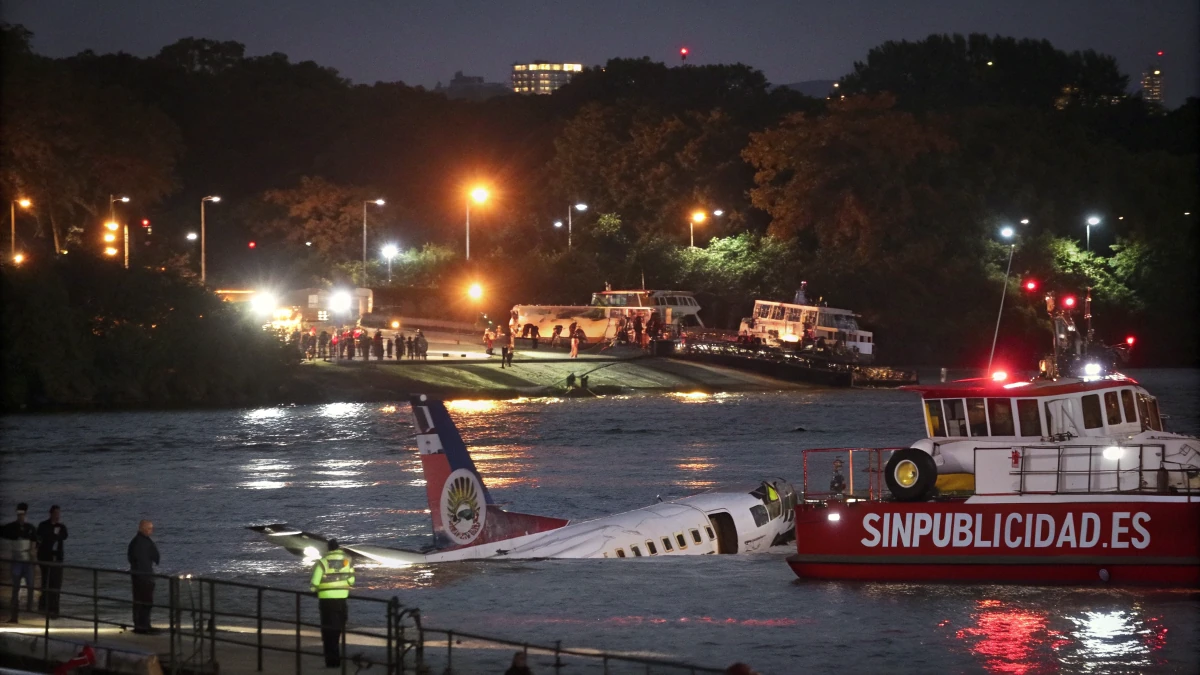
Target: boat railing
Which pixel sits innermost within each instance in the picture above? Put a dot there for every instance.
(1081, 469)
(862, 480)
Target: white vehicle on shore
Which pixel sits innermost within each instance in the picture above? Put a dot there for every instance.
(600, 319)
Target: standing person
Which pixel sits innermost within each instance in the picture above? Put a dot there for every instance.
(332, 579)
(334, 346)
(487, 341)
(22, 539)
(505, 341)
(364, 345)
(378, 345)
(535, 335)
(556, 336)
(518, 666)
(422, 346)
(574, 342)
(512, 348)
(411, 348)
(389, 348)
(571, 329)
(637, 330)
(143, 556)
(323, 345)
(51, 533)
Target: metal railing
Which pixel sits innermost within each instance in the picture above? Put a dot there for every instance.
(1065, 454)
(276, 628)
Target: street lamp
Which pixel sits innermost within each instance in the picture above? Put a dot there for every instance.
(376, 202)
(390, 252)
(475, 291)
(23, 203)
(1092, 220)
(697, 218)
(192, 236)
(112, 222)
(1006, 232)
(203, 255)
(581, 207)
(479, 195)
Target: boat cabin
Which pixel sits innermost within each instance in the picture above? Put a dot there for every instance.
(1107, 407)
(785, 322)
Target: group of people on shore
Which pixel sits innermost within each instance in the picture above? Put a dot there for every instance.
(359, 342)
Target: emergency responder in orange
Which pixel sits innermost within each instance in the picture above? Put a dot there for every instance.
(332, 579)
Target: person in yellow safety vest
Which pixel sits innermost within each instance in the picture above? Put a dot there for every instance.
(332, 579)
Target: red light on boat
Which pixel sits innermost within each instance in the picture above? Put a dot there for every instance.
(999, 376)
(1069, 301)
(1130, 340)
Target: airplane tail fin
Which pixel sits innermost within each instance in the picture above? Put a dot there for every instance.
(463, 511)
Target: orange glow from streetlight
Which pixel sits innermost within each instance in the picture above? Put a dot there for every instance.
(24, 203)
(110, 237)
(480, 195)
(20, 258)
(112, 226)
(475, 291)
(110, 251)
(699, 216)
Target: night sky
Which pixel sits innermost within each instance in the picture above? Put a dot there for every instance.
(422, 43)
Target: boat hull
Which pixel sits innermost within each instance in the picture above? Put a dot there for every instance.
(1129, 540)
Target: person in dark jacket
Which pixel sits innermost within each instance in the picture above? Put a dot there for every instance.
(143, 556)
(519, 666)
(22, 537)
(51, 534)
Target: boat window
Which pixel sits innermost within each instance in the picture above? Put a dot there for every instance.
(777, 312)
(667, 544)
(672, 300)
(1130, 406)
(762, 311)
(1092, 419)
(956, 417)
(1152, 414)
(637, 552)
(620, 553)
(711, 535)
(696, 536)
(1000, 416)
(934, 410)
(793, 313)
(977, 417)
(760, 515)
(680, 540)
(651, 548)
(1112, 408)
(1027, 412)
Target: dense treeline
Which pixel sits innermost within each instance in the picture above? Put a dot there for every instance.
(887, 197)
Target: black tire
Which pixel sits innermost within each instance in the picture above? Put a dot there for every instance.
(910, 474)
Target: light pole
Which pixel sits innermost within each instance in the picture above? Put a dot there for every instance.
(112, 223)
(581, 207)
(23, 203)
(203, 258)
(376, 202)
(1092, 220)
(697, 218)
(390, 252)
(479, 195)
(1007, 233)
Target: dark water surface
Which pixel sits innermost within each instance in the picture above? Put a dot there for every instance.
(350, 470)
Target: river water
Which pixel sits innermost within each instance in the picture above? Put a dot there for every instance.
(350, 470)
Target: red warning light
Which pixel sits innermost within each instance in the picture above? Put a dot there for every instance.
(1030, 285)
(1160, 53)
(252, 244)
(145, 223)
(1069, 301)
(683, 52)
(1130, 340)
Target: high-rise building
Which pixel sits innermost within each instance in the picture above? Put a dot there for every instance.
(1152, 85)
(1152, 82)
(542, 77)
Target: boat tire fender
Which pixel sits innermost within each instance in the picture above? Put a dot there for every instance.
(911, 475)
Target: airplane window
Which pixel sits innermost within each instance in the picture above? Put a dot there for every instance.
(651, 548)
(696, 536)
(637, 552)
(667, 544)
(682, 542)
(620, 553)
(711, 535)
(760, 515)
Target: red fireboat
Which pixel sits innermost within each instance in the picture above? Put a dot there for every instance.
(1068, 478)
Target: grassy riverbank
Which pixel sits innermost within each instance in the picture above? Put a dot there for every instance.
(320, 381)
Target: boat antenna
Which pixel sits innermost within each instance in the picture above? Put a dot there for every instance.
(1087, 315)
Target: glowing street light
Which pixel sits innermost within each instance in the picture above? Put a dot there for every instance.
(23, 203)
(697, 218)
(475, 291)
(109, 238)
(112, 225)
(390, 252)
(263, 303)
(339, 302)
(479, 195)
(192, 236)
(376, 202)
(1092, 220)
(581, 207)
(203, 254)
(1007, 232)
(19, 258)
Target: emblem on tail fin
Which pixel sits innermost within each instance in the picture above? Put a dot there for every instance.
(462, 506)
